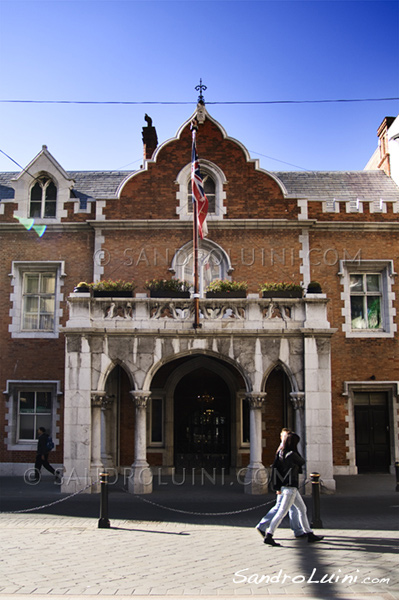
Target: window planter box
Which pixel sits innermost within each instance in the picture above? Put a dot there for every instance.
(112, 294)
(168, 294)
(282, 294)
(232, 294)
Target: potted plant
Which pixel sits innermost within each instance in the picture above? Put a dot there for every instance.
(223, 288)
(113, 288)
(168, 288)
(281, 290)
(82, 288)
(314, 287)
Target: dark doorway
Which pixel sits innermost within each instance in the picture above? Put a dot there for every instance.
(372, 432)
(202, 421)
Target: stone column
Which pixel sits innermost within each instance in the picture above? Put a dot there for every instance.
(256, 477)
(107, 429)
(96, 465)
(298, 403)
(140, 479)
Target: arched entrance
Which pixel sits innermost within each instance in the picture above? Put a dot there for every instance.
(202, 421)
(279, 411)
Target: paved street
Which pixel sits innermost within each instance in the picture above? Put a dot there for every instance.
(156, 552)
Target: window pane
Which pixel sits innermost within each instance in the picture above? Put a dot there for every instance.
(47, 283)
(49, 209)
(29, 322)
(156, 420)
(27, 427)
(356, 283)
(26, 402)
(51, 192)
(35, 210)
(357, 313)
(31, 283)
(373, 312)
(36, 193)
(373, 283)
(43, 402)
(46, 322)
(31, 304)
(43, 421)
(209, 185)
(47, 305)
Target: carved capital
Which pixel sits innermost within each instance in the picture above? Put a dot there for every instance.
(97, 398)
(298, 400)
(140, 398)
(101, 400)
(256, 400)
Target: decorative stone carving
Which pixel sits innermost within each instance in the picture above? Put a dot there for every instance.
(297, 400)
(256, 400)
(140, 398)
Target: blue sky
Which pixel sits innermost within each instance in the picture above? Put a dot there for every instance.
(158, 50)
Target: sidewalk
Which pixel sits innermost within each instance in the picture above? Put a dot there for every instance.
(154, 552)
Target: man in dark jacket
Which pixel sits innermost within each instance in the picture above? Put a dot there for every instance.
(42, 455)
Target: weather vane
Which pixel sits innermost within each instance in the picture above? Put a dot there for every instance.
(201, 88)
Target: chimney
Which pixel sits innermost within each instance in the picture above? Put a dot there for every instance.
(150, 138)
(384, 163)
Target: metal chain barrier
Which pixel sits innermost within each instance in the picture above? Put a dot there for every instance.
(27, 510)
(210, 514)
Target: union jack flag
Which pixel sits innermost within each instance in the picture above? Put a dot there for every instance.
(198, 193)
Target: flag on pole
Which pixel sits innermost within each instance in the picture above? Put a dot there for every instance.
(198, 193)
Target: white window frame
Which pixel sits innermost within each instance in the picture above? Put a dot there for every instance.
(13, 390)
(385, 269)
(19, 268)
(219, 179)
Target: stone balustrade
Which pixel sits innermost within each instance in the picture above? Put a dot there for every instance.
(223, 314)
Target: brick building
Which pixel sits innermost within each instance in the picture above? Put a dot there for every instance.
(130, 384)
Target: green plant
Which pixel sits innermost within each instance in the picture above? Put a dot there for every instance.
(113, 285)
(167, 285)
(280, 286)
(224, 285)
(314, 285)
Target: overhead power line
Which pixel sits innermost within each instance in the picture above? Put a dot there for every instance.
(133, 102)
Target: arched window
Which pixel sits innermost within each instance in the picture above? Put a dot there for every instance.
(43, 198)
(213, 263)
(213, 180)
(210, 193)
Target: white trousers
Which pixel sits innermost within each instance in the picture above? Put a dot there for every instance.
(290, 496)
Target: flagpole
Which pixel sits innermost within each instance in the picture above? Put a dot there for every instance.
(197, 323)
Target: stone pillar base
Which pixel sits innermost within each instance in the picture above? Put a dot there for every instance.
(140, 480)
(256, 480)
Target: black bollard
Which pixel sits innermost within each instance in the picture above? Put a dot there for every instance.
(316, 521)
(397, 475)
(103, 522)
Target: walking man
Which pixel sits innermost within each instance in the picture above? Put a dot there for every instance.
(42, 455)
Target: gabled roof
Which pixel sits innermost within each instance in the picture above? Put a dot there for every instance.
(103, 185)
(340, 184)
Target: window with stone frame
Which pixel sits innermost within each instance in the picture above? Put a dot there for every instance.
(366, 301)
(43, 198)
(38, 301)
(30, 404)
(34, 411)
(368, 298)
(213, 180)
(36, 298)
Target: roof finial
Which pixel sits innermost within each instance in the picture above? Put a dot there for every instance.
(201, 88)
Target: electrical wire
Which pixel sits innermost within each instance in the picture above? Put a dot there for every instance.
(129, 102)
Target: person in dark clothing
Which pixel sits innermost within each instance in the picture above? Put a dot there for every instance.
(286, 469)
(42, 455)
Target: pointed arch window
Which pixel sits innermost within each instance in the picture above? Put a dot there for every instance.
(43, 199)
(213, 180)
